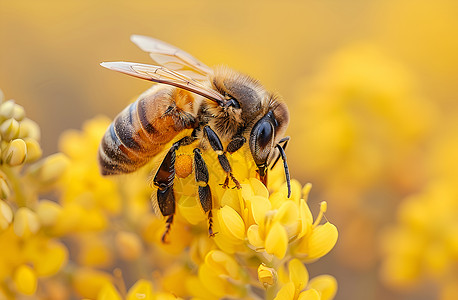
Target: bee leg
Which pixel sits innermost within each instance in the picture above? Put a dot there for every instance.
(166, 203)
(217, 146)
(226, 183)
(163, 180)
(205, 195)
(285, 141)
(168, 225)
(235, 144)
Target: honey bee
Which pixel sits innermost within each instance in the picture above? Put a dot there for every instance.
(224, 109)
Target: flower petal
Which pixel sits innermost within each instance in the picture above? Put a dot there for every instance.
(306, 218)
(310, 294)
(254, 236)
(266, 276)
(277, 241)
(322, 240)
(141, 290)
(232, 223)
(108, 292)
(326, 285)
(298, 274)
(259, 207)
(25, 280)
(286, 292)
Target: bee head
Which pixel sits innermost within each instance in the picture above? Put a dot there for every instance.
(266, 134)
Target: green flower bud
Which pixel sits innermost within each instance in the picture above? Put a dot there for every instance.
(16, 153)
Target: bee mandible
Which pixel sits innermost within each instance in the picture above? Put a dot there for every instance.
(224, 109)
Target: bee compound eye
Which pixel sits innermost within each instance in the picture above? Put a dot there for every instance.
(261, 141)
(264, 135)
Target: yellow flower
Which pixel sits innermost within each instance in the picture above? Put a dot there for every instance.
(110, 220)
(424, 241)
(222, 275)
(267, 276)
(26, 222)
(129, 245)
(25, 280)
(30, 254)
(374, 125)
(296, 284)
(15, 153)
(89, 282)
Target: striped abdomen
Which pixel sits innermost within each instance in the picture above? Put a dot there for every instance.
(143, 128)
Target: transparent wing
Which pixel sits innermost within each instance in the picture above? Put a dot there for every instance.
(163, 75)
(172, 57)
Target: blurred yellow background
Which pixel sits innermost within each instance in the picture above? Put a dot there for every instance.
(371, 85)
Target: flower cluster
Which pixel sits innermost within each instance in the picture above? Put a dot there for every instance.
(99, 238)
(258, 233)
(367, 149)
(29, 252)
(423, 243)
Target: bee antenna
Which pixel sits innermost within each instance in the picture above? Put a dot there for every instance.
(285, 166)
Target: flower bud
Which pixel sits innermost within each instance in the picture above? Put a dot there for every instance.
(267, 276)
(25, 279)
(26, 222)
(29, 128)
(53, 256)
(10, 129)
(34, 151)
(48, 212)
(7, 109)
(129, 245)
(4, 188)
(16, 153)
(6, 215)
(18, 112)
(50, 169)
(88, 282)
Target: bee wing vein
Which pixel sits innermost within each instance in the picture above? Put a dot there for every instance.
(161, 74)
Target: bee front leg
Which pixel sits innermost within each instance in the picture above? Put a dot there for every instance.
(217, 146)
(163, 180)
(205, 195)
(235, 144)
